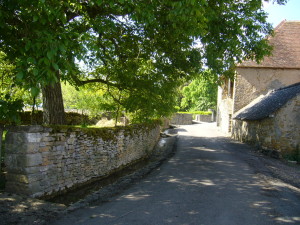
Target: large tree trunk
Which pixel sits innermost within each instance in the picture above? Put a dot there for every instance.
(53, 107)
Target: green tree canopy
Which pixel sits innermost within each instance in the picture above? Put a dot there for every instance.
(91, 99)
(9, 86)
(201, 93)
(143, 48)
(10, 103)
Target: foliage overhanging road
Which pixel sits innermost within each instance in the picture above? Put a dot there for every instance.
(210, 180)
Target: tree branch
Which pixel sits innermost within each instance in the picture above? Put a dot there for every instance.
(98, 80)
(95, 10)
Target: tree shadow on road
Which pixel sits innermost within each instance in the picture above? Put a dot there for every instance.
(210, 180)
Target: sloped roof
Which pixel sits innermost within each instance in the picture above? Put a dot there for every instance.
(286, 48)
(264, 106)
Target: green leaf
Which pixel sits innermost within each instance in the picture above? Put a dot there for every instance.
(20, 76)
(35, 18)
(28, 45)
(99, 2)
(34, 91)
(55, 66)
(43, 21)
(30, 60)
(35, 72)
(49, 55)
(46, 61)
(62, 48)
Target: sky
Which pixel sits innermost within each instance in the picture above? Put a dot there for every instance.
(277, 13)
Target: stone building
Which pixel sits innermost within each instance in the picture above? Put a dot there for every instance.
(256, 82)
(272, 122)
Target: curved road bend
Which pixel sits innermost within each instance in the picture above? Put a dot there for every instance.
(209, 181)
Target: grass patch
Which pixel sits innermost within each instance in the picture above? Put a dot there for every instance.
(107, 123)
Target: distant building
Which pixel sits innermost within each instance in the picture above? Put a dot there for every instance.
(262, 105)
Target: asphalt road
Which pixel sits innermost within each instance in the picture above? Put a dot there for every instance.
(209, 181)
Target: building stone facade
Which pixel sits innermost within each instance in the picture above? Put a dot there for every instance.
(279, 132)
(253, 82)
(225, 107)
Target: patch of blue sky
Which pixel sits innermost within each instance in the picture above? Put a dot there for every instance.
(278, 13)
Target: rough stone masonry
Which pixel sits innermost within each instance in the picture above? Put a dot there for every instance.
(182, 119)
(46, 160)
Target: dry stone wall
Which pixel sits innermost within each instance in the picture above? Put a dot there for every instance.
(43, 161)
(204, 118)
(182, 119)
(280, 132)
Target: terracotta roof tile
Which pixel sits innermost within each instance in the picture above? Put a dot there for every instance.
(286, 48)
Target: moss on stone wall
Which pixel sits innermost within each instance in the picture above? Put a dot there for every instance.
(107, 133)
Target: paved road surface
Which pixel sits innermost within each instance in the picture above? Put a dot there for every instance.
(209, 181)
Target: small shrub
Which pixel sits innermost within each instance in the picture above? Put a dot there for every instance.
(198, 112)
(104, 122)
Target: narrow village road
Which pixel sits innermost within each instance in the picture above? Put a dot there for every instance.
(209, 181)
